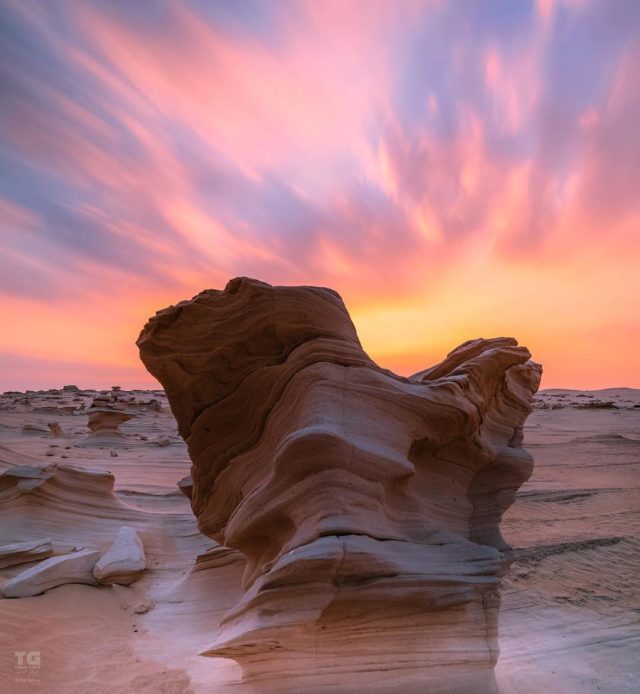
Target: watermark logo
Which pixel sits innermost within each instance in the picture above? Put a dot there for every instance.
(27, 666)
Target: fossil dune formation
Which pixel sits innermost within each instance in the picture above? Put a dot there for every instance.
(367, 505)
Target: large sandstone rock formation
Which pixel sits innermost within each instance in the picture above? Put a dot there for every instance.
(367, 504)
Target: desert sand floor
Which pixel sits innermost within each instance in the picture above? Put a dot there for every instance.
(570, 619)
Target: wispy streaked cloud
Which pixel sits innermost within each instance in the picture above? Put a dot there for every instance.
(452, 168)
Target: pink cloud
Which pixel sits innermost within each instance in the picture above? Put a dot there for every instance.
(417, 161)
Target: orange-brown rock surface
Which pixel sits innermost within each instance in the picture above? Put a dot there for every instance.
(367, 504)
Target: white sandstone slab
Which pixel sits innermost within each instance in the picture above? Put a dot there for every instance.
(124, 561)
(53, 572)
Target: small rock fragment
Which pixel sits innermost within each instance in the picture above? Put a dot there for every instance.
(185, 485)
(124, 561)
(144, 607)
(55, 428)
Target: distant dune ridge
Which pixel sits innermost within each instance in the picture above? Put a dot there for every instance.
(367, 505)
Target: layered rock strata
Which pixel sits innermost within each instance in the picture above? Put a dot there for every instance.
(25, 552)
(367, 505)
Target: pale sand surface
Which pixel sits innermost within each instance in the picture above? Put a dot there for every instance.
(570, 618)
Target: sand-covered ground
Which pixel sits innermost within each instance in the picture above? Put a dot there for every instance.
(570, 619)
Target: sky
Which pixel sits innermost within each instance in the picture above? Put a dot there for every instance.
(455, 169)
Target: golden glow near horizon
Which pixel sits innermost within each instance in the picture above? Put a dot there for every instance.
(452, 173)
